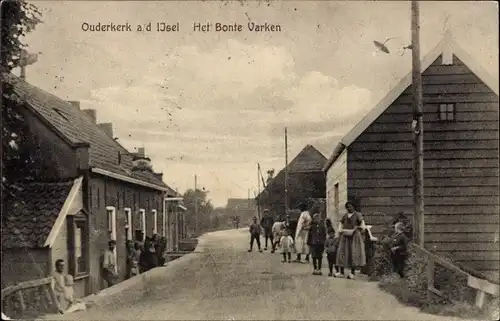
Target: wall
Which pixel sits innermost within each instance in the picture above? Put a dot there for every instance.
(110, 192)
(20, 265)
(461, 166)
(54, 158)
(336, 174)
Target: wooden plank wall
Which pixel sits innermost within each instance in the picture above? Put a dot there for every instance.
(337, 173)
(461, 166)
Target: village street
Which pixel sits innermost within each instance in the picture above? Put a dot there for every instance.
(225, 282)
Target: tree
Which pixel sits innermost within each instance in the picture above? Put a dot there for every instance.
(193, 198)
(17, 19)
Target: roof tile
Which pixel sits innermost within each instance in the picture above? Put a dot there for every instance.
(29, 224)
(78, 127)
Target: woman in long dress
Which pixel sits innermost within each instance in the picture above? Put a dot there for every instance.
(351, 251)
(302, 232)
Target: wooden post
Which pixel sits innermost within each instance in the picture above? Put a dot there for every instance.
(430, 278)
(418, 128)
(195, 203)
(258, 191)
(286, 171)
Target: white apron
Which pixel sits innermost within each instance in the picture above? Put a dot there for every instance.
(302, 232)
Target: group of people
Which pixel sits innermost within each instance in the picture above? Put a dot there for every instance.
(313, 236)
(141, 257)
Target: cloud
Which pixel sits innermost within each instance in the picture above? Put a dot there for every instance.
(227, 104)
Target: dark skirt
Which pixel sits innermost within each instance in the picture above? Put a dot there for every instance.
(351, 251)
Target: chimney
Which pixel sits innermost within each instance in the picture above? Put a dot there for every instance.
(141, 152)
(92, 113)
(159, 176)
(107, 128)
(74, 103)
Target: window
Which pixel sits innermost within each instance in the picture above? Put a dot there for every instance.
(111, 222)
(447, 112)
(336, 200)
(119, 157)
(78, 250)
(128, 223)
(164, 219)
(140, 233)
(155, 221)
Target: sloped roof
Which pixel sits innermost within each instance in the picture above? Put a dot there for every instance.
(76, 127)
(446, 46)
(29, 224)
(309, 160)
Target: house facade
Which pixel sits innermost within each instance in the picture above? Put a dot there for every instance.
(373, 163)
(306, 181)
(88, 190)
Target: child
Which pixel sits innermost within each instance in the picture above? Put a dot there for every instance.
(255, 234)
(286, 243)
(331, 245)
(399, 251)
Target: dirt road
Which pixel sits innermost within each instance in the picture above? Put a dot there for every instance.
(227, 283)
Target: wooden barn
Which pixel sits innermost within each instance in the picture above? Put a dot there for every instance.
(306, 181)
(89, 189)
(373, 162)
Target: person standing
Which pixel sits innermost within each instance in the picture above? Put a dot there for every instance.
(331, 245)
(148, 259)
(399, 250)
(316, 241)
(351, 251)
(59, 285)
(109, 264)
(277, 230)
(255, 234)
(286, 244)
(301, 234)
(267, 222)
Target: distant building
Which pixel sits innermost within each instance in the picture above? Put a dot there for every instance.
(306, 181)
(245, 208)
(89, 189)
(373, 163)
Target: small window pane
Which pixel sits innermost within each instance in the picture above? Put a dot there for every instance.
(442, 108)
(450, 108)
(442, 116)
(451, 116)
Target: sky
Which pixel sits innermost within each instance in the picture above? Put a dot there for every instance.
(215, 104)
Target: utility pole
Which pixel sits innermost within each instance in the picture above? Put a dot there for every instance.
(286, 171)
(258, 191)
(418, 128)
(196, 202)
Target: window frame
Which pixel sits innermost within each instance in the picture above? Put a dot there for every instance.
(129, 224)
(142, 217)
(74, 222)
(446, 115)
(155, 221)
(112, 210)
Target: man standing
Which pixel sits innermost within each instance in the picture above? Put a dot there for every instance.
(255, 234)
(109, 264)
(267, 222)
(303, 226)
(59, 285)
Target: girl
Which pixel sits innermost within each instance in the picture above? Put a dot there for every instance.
(331, 246)
(399, 250)
(351, 251)
(286, 244)
(277, 229)
(316, 241)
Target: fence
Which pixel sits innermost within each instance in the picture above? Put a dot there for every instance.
(481, 286)
(30, 298)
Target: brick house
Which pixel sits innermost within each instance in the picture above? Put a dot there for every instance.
(90, 189)
(372, 164)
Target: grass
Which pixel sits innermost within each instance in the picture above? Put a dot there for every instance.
(412, 290)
